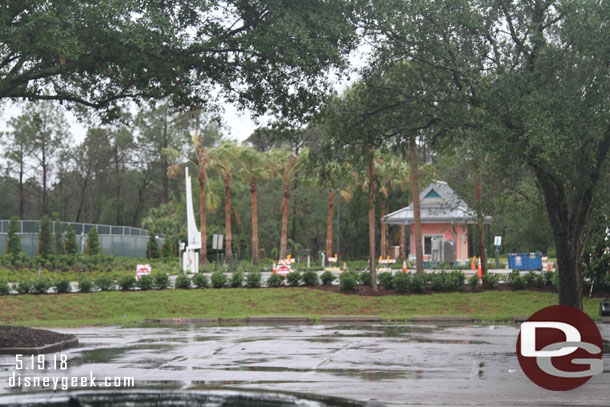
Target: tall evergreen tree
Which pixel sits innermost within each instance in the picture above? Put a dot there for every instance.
(45, 244)
(60, 247)
(14, 241)
(93, 242)
(71, 245)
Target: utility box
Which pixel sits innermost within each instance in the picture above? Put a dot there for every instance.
(604, 308)
(525, 261)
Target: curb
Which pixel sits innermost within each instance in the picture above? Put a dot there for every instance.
(53, 347)
(279, 320)
(351, 319)
(182, 320)
(606, 320)
(520, 320)
(445, 319)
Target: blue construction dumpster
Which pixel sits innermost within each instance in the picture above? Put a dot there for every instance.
(525, 261)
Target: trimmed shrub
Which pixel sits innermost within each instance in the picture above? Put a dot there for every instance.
(152, 247)
(41, 285)
(167, 250)
(126, 282)
(548, 278)
(437, 281)
(161, 281)
(62, 286)
(364, 278)
(490, 280)
(71, 245)
(207, 268)
(14, 241)
(455, 281)
(5, 289)
(45, 247)
(253, 279)
(275, 280)
(310, 278)
(515, 281)
(93, 242)
(24, 287)
(347, 282)
(555, 280)
(473, 281)
(200, 280)
(85, 285)
(145, 282)
(104, 283)
(237, 279)
(385, 280)
(183, 282)
(418, 283)
(400, 281)
(219, 279)
(60, 247)
(294, 278)
(327, 278)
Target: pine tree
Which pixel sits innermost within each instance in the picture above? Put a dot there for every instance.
(167, 250)
(93, 242)
(14, 241)
(60, 247)
(71, 245)
(152, 248)
(45, 245)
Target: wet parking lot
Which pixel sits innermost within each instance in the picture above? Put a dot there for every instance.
(392, 364)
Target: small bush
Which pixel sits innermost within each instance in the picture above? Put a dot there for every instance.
(327, 278)
(145, 282)
(253, 279)
(161, 281)
(4, 287)
(473, 281)
(24, 287)
(515, 281)
(85, 285)
(418, 283)
(62, 286)
(490, 280)
(400, 282)
(41, 286)
(347, 282)
(555, 280)
(364, 278)
(530, 279)
(455, 281)
(294, 278)
(104, 283)
(183, 282)
(127, 282)
(219, 279)
(548, 278)
(385, 280)
(237, 279)
(310, 278)
(275, 280)
(437, 281)
(200, 280)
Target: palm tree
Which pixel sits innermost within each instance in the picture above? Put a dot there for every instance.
(253, 168)
(223, 162)
(285, 166)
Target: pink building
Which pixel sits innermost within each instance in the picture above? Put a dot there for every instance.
(444, 217)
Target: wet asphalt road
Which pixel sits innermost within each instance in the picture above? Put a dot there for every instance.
(394, 364)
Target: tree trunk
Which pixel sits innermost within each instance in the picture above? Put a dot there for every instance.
(117, 172)
(203, 252)
(284, 237)
(21, 194)
(329, 225)
(254, 222)
(383, 244)
(478, 197)
(372, 251)
(419, 253)
(228, 249)
(82, 197)
(164, 162)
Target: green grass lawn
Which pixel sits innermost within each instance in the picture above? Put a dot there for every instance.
(110, 308)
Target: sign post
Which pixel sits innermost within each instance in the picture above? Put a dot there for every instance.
(191, 257)
(497, 243)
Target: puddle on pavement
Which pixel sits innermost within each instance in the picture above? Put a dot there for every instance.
(365, 374)
(106, 355)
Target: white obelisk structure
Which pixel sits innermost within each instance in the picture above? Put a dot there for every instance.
(190, 262)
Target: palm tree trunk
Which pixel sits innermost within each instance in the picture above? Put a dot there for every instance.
(254, 222)
(372, 251)
(329, 225)
(384, 241)
(419, 254)
(203, 252)
(478, 197)
(228, 250)
(284, 238)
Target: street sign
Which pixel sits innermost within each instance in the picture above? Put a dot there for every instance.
(497, 240)
(141, 270)
(217, 241)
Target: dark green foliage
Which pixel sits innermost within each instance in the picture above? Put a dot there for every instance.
(93, 242)
(400, 281)
(555, 280)
(183, 282)
(534, 280)
(327, 278)
(364, 278)
(14, 241)
(437, 281)
(46, 238)
(62, 286)
(219, 279)
(473, 281)
(310, 278)
(253, 279)
(41, 286)
(418, 283)
(515, 281)
(237, 279)
(161, 281)
(104, 283)
(490, 280)
(207, 268)
(275, 280)
(294, 278)
(385, 280)
(152, 248)
(71, 245)
(200, 280)
(126, 282)
(348, 282)
(59, 239)
(167, 250)
(145, 282)
(85, 285)
(4, 287)
(24, 287)
(455, 281)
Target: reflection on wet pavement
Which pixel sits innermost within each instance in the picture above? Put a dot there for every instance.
(395, 364)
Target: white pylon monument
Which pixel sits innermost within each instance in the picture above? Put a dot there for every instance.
(190, 257)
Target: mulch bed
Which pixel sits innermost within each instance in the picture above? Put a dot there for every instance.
(22, 337)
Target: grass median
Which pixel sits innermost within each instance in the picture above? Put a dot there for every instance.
(112, 308)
